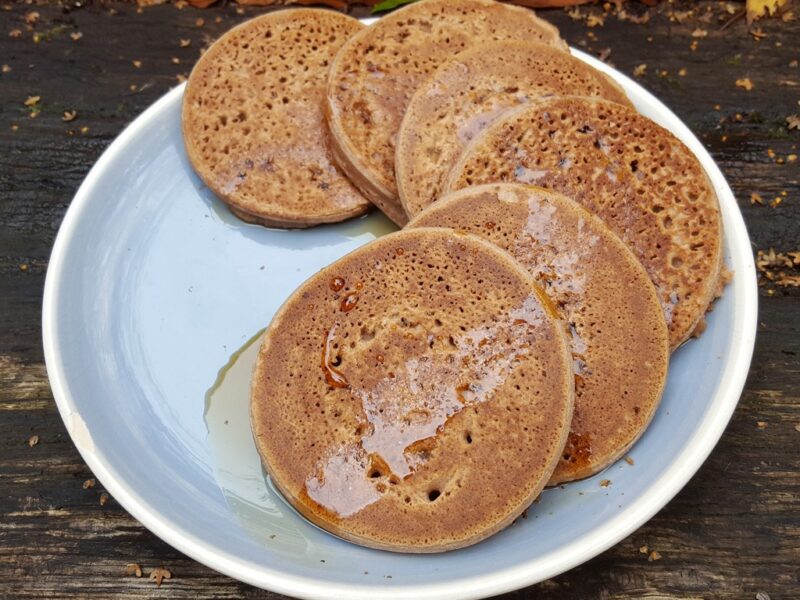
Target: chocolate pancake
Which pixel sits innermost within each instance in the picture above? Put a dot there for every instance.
(467, 93)
(254, 125)
(619, 340)
(376, 71)
(415, 395)
(631, 172)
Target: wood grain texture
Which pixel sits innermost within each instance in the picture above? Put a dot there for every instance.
(732, 532)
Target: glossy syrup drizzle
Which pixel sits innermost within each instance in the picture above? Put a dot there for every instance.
(333, 376)
(414, 404)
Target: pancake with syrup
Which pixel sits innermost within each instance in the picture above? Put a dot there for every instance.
(254, 125)
(416, 394)
(647, 186)
(376, 71)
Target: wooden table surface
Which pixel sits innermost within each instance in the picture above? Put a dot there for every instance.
(733, 532)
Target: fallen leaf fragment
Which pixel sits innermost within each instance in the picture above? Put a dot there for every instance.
(76, 35)
(15, 33)
(654, 556)
(629, 460)
(595, 20)
(745, 83)
(133, 569)
(104, 499)
(759, 8)
(32, 100)
(644, 549)
(756, 198)
(640, 70)
(32, 17)
(6, 69)
(793, 122)
(33, 440)
(69, 115)
(88, 484)
(605, 483)
(137, 63)
(159, 574)
(185, 43)
(699, 33)
(761, 424)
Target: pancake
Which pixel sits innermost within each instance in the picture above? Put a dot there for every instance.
(631, 172)
(254, 125)
(376, 71)
(415, 395)
(467, 93)
(619, 340)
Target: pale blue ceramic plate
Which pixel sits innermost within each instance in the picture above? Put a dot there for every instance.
(153, 285)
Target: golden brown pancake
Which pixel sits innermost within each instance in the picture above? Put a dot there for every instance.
(619, 340)
(415, 395)
(254, 125)
(470, 91)
(631, 172)
(375, 73)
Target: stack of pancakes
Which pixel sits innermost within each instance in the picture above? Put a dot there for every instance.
(419, 393)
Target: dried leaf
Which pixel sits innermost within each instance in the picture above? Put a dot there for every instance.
(88, 484)
(33, 440)
(759, 8)
(185, 43)
(76, 35)
(654, 556)
(640, 71)
(6, 69)
(32, 100)
(137, 63)
(159, 574)
(15, 33)
(644, 549)
(104, 499)
(595, 20)
(133, 569)
(69, 115)
(745, 83)
(605, 483)
(32, 17)
(756, 198)
(699, 33)
(793, 122)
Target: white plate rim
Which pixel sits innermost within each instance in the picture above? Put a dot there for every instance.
(682, 468)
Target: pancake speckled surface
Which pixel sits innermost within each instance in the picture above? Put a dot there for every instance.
(619, 338)
(415, 395)
(470, 91)
(254, 125)
(631, 172)
(375, 73)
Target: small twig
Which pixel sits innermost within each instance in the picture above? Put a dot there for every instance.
(733, 19)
